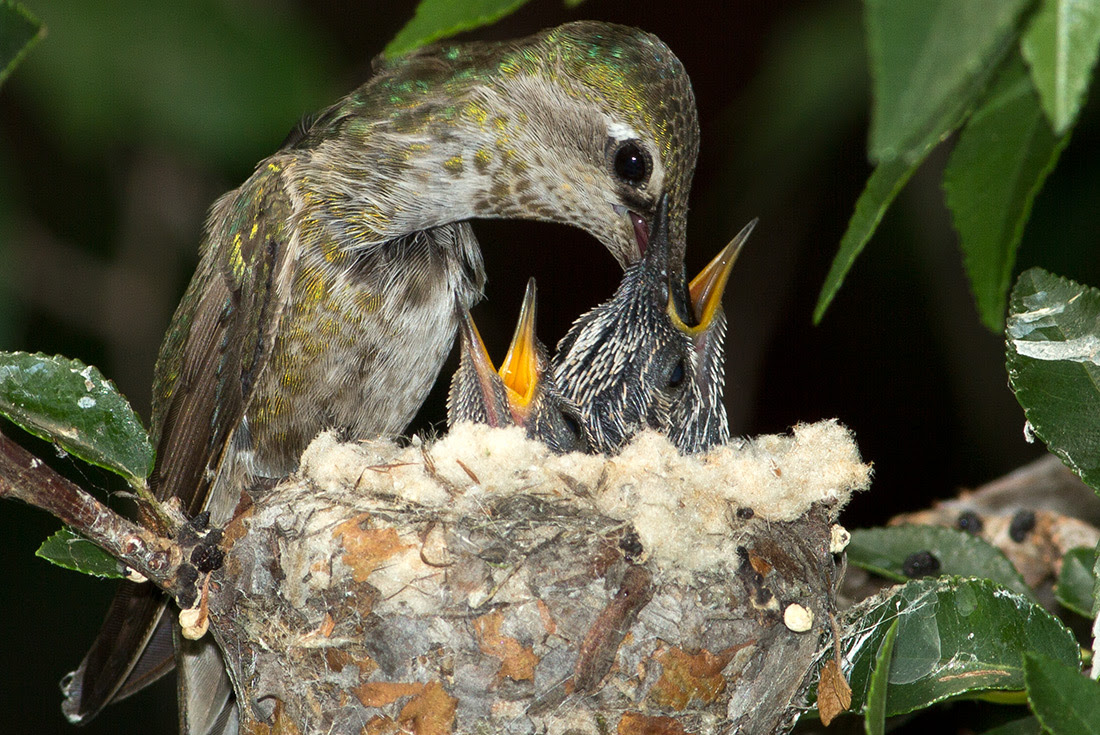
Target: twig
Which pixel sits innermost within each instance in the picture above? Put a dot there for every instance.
(28, 478)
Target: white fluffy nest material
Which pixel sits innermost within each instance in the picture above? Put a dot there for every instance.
(684, 508)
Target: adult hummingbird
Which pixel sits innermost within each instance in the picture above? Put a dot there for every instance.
(331, 283)
(652, 355)
(521, 393)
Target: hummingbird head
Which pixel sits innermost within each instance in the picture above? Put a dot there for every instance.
(651, 356)
(609, 110)
(588, 124)
(522, 393)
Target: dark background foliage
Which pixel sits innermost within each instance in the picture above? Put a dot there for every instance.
(131, 117)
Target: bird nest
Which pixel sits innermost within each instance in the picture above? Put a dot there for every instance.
(480, 583)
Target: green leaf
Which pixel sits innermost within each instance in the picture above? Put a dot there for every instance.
(1076, 581)
(73, 405)
(1096, 596)
(1061, 44)
(67, 549)
(1066, 701)
(929, 60)
(19, 32)
(435, 19)
(883, 550)
(1022, 726)
(1053, 347)
(874, 720)
(956, 637)
(882, 187)
(1002, 158)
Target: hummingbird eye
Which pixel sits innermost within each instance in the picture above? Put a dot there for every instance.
(631, 164)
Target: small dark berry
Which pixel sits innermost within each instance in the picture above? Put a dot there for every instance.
(201, 521)
(1022, 524)
(207, 558)
(187, 578)
(920, 564)
(186, 536)
(970, 522)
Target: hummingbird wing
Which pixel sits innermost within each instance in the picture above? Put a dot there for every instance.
(221, 336)
(217, 344)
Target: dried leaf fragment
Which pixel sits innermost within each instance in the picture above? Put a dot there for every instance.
(432, 712)
(381, 693)
(633, 723)
(517, 662)
(834, 696)
(365, 549)
(688, 676)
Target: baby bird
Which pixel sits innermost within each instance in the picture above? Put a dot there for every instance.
(523, 393)
(652, 355)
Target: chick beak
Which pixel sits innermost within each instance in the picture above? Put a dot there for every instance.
(519, 371)
(706, 289)
(482, 365)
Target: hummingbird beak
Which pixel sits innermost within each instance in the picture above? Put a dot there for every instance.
(485, 373)
(519, 372)
(638, 224)
(641, 231)
(707, 288)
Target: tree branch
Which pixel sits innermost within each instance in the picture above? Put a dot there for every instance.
(27, 478)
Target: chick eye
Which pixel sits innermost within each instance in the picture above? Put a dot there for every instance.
(631, 164)
(571, 425)
(677, 375)
(576, 442)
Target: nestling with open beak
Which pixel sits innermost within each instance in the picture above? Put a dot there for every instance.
(652, 355)
(523, 393)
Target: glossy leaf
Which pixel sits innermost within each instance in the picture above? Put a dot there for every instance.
(1003, 156)
(1076, 581)
(956, 637)
(19, 32)
(1096, 598)
(884, 550)
(879, 192)
(1053, 346)
(874, 716)
(74, 406)
(436, 19)
(67, 549)
(929, 60)
(1066, 701)
(1094, 672)
(1022, 726)
(1060, 45)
